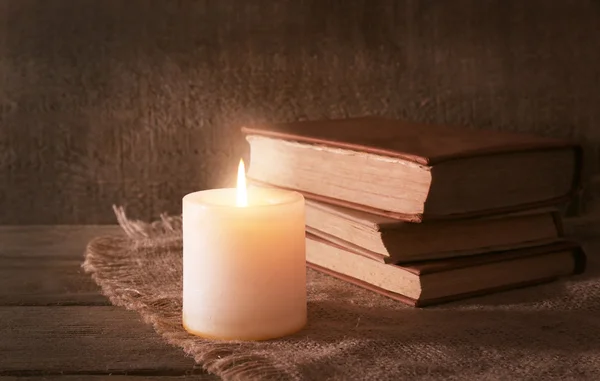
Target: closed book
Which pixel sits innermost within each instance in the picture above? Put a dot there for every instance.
(391, 241)
(414, 172)
(432, 282)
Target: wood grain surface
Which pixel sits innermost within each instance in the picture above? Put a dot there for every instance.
(105, 378)
(51, 257)
(55, 325)
(83, 339)
(138, 103)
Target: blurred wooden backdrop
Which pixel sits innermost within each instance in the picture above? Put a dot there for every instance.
(138, 102)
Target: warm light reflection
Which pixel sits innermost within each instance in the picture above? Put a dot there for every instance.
(242, 196)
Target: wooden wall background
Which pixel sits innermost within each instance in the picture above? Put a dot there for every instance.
(139, 102)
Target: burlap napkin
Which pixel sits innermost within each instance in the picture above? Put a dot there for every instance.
(544, 332)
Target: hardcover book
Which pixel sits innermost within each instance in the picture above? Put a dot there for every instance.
(432, 282)
(391, 241)
(414, 172)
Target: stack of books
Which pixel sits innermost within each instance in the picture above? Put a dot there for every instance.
(423, 213)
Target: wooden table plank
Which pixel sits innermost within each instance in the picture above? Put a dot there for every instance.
(50, 241)
(37, 282)
(200, 377)
(84, 340)
(41, 265)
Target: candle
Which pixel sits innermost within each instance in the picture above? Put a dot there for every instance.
(244, 275)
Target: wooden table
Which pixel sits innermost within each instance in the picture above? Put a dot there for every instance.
(54, 322)
(55, 325)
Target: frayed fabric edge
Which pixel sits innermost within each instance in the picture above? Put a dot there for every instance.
(136, 229)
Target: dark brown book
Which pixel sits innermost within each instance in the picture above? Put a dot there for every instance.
(432, 282)
(391, 241)
(413, 171)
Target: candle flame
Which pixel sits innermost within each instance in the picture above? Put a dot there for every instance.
(242, 196)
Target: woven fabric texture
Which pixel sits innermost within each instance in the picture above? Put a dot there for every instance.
(544, 332)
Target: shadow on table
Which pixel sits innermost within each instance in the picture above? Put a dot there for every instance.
(558, 315)
(573, 329)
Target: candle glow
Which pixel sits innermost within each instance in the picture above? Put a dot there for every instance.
(241, 190)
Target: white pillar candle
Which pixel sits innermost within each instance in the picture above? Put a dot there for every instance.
(244, 275)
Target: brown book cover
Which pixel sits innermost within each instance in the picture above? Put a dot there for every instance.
(428, 268)
(424, 145)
